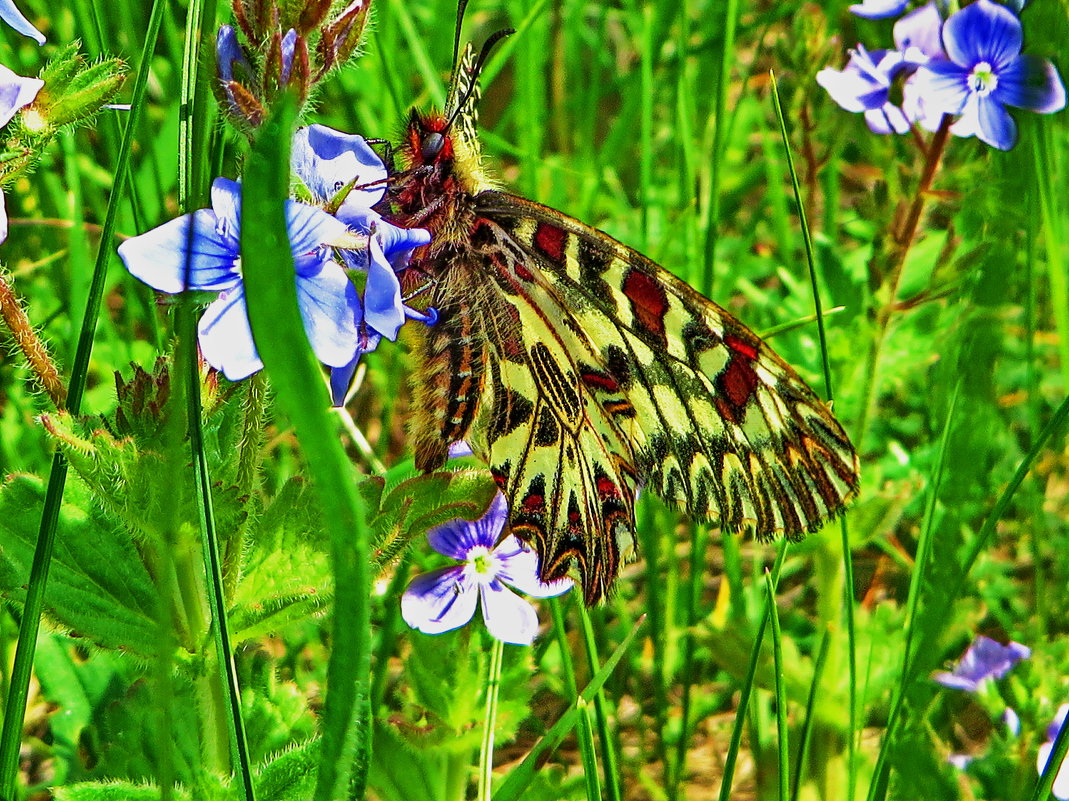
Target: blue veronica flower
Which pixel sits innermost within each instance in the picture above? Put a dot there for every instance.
(13, 17)
(1060, 790)
(921, 28)
(173, 258)
(327, 162)
(985, 71)
(983, 660)
(879, 9)
(864, 85)
(445, 599)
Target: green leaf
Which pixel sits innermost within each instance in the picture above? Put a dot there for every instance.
(99, 587)
(290, 776)
(114, 791)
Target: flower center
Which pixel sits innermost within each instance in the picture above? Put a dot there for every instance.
(982, 79)
(482, 564)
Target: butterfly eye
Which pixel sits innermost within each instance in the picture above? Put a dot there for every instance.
(431, 147)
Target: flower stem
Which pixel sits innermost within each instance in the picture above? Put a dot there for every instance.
(903, 239)
(486, 751)
(31, 345)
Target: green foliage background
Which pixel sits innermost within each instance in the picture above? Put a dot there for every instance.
(946, 377)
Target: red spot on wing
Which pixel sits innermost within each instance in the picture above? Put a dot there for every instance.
(499, 478)
(607, 488)
(549, 240)
(739, 381)
(649, 303)
(600, 381)
(741, 347)
(534, 504)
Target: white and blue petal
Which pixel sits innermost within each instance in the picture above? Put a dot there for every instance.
(508, 617)
(518, 567)
(943, 85)
(10, 14)
(16, 92)
(225, 337)
(983, 31)
(456, 538)
(920, 31)
(994, 125)
(326, 160)
(327, 300)
(1031, 83)
(189, 247)
(879, 9)
(439, 601)
(383, 308)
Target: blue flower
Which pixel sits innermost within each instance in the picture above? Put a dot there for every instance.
(984, 659)
(334, 165)
(879, 9)
(13, 17)
(232, 66)
(1061, 781)
(172, 258)
(445, 599)
(921, 28)
(985, 71)
(864, 85)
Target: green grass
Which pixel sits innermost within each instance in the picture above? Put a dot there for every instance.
(655, 122)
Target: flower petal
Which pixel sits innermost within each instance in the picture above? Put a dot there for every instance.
(13, 17)
(889, 118)
(327, 300)
(159, 257)
(518, 567)
(289, 43)
(326, 160)
(16, 93)
(225, 337)
(457, 537)
(383, 308)
(439, 601)
(995, 125)
(310, 228)
(943, 86)
(879, 9)
(1032, 83)
(921, 28)
(983, 659)
(982, 31)
(508, 617)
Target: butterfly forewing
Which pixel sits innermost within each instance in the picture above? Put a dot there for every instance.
(581, 371)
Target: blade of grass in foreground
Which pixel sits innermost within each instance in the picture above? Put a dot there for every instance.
(844, 532)
(15, 707)
(746, 690)
(302, 396)
(781, 690)
(518, 781)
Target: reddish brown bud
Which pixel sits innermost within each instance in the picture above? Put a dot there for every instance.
(343, 34)
(312, 15)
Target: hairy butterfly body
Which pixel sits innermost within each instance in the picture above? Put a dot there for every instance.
(581, 371)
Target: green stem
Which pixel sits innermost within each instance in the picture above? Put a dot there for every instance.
(15, 708)
(486, 749)
(903, 239)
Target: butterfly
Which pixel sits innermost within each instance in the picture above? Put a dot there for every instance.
(581, 371)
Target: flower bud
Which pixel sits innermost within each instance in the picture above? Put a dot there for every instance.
(342, 35)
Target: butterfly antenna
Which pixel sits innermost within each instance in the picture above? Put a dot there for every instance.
(461, 7)
(480, 62)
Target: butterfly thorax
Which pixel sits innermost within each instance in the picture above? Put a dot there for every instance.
(442, 174)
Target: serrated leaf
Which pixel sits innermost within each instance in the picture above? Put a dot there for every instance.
(287, 576)
(99, 588)
(290, 776)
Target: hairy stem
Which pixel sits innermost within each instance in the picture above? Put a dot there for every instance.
(31, 345)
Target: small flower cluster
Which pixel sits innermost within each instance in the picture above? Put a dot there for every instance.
(984, 662)
(293, 46)
(334, 232)
(968, 66)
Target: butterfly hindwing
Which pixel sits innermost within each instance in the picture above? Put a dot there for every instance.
(715, 420)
